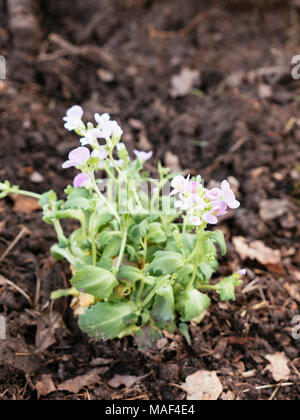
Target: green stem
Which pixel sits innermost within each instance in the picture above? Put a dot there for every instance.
(140, 290)
(154, 290)
(113, 162)
(27, 193)
(59, 231)
(122, 251)
(111, 175)
(104, 199)
(198, 246)
(92, 234)
(208, 287)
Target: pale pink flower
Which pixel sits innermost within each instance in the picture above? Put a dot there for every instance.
(143, 156)
(219, 209)
(81, 180)
(242, 272)
(228, 196)
(179, 184)
(77, 157)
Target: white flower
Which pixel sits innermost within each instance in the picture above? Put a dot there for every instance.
(196, 221)
(100, 154)
(102, 119)
(73, 118)
(143, 156)
(111, 129)
(179, 184)
(91, 136)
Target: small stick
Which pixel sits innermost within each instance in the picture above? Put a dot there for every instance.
(4, 281)
(259, 388)
(14, 243)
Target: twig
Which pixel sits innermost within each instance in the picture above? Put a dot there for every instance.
(154, 33)
(14, 242)
(260, 388)
(92, 53)
(4, 281)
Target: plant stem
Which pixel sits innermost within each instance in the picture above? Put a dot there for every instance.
(92, 234)
(208, 287)
(154, 290)
(140, 290)
(191, 283)
(27, 193)
(122, 251)
(197, 248)
(104, 199)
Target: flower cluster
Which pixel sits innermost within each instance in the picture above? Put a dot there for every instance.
(82, 159)
(202, 205)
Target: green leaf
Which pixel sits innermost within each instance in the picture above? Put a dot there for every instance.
(79, 198)
(62, 253)
(47, 198)
(95, 281)
(147, 337)
(226, 288)
(217, 236)
(189, 242)
(156, 233)
(166, 262)
(127, 272)
(163, 307)
(106, 263)
(102, 220)
(112, 249)
(185, 331)
(107, 320)
(137, 232)
(206, 270)
(57, 294)
(191, 304)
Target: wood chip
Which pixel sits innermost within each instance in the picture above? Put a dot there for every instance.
(279, 366)
(184, 82)
(203, 386)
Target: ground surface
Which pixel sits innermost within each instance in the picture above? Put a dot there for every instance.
(241, 120)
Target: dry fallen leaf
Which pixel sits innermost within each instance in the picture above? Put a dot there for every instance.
(25, 205)
(46, 327)
(279, 366)
(126, 380)
(45, 386)
(257, 250)
(272, 209)
(183, 82)
(203, 386)
(76, 384)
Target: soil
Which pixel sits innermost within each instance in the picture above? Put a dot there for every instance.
(241, 120)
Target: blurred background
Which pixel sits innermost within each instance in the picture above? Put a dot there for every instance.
(206, 85)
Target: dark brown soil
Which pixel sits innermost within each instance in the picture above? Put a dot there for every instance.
(242, 121)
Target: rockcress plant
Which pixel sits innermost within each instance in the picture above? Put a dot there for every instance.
(140, 262)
